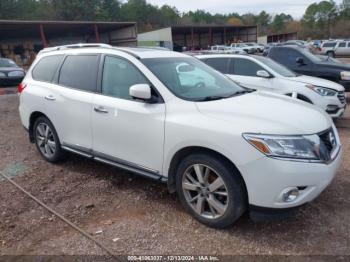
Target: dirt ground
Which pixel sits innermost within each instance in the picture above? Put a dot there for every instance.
(139, 216)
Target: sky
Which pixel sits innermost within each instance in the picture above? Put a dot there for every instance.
(296, 8)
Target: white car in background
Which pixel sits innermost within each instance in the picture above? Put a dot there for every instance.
(244, 47)
(262, 73)
(222, 49)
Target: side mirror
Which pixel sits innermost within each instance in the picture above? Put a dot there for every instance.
(140, 91)
(300, 61)
(263, 74)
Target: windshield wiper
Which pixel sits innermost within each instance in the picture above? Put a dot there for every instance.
(212, 98)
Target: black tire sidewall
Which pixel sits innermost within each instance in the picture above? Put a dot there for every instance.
(235, 188)
(58, 155)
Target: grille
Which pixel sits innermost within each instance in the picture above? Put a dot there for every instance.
(341, 97)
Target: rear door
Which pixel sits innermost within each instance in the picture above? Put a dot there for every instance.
(341, 48)
(69, 100)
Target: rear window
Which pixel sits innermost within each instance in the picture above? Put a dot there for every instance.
(329, 44)
(343, 44)
(80, 72)
(219, 64)
(46, 68)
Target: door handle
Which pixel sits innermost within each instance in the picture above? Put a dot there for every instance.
(50, 98)
(100, 109)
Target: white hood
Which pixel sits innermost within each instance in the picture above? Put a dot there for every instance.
(268, 113)
(317, 82)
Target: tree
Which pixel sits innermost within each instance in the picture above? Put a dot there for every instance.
(234, 21)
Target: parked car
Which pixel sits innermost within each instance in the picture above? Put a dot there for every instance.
(335, 48)
(10, 72)
(223, 148)
(263, 73)
(222, 49)
(304, 62)
(257, 48)
(244, 47)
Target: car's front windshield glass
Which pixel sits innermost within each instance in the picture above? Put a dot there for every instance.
(7, 63)
(278, 68)
(191, 79)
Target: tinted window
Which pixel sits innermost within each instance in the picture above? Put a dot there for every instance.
(80, 72)
(46, 68)
(343, 44)
(245, 67)
(329, 44)
(118, 76)
(219, 64)
(286, 56)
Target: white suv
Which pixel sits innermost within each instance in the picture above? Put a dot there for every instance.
(263, 73)
(170, 117)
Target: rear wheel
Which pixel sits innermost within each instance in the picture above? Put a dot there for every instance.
(210, 190)
(46, 140)
(331, 53)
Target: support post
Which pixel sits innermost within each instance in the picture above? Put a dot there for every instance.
(225, 36)
(97, 35)
(210, 36)
(42, 36)
(192, 39)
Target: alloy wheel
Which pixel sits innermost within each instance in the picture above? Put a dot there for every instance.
(205, 191)
(45, 140)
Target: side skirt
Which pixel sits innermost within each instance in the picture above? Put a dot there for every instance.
(137, 169)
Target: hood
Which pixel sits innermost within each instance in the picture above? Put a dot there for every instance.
(332, 65)
(10, 69)
(317, 82)
(268, 113)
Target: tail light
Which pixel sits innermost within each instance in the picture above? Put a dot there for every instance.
(21, 87)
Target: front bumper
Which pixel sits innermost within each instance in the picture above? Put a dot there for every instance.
(267, 178)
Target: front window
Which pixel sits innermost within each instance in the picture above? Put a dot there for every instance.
(278, 68)
(191, 79)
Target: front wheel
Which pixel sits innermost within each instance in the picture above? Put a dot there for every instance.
(210, 190)
(46, 140)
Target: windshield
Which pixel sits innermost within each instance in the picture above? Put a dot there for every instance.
(278, 68)
(7, 63)
(191, 79)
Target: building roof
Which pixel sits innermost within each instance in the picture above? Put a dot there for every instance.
(21, 29)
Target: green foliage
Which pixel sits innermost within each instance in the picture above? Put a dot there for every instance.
(320, 19)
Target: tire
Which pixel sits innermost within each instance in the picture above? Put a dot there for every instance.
(218, 208)
(331, 54)
(47, 141)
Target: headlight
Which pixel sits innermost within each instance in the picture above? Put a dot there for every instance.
(2, 74)
(308, 147)
(16, 73)
(322, 90)
(345, 75)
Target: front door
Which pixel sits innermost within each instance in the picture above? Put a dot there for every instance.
(124, 130)
(244, 71)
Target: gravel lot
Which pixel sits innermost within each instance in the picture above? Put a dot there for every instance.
(139, 216)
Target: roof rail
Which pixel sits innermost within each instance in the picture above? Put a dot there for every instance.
(79, 45)
(86, 45)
